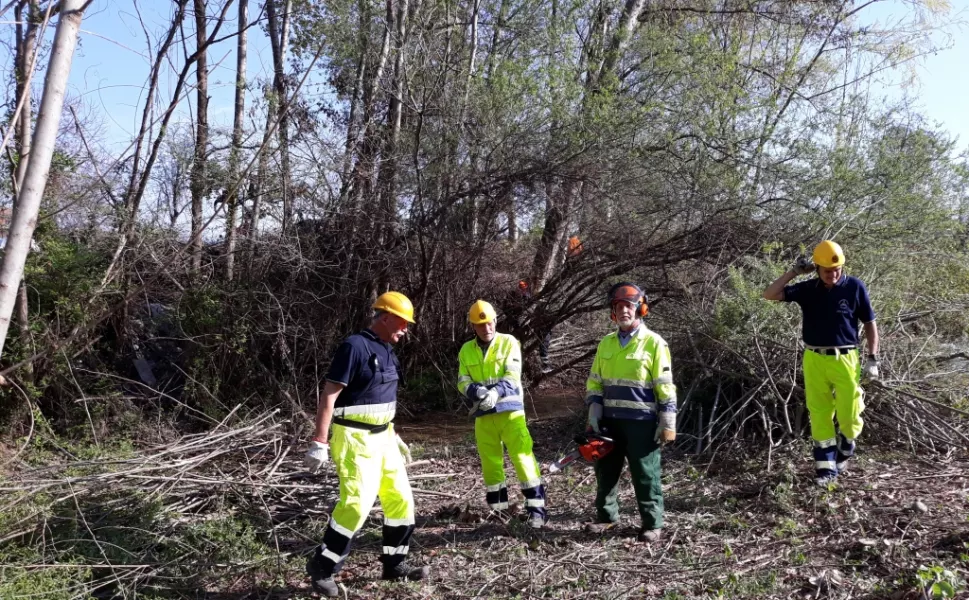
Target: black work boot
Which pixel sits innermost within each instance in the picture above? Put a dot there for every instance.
(405, 571)
(321, 580)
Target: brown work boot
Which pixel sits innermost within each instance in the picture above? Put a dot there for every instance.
(649, 536)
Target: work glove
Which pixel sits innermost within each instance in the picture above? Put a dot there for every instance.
(666, 428)
(316, 456)
(404, 451)
(489, 400)
(870, 371)
(803, 266)
(595, 415)
(481, 392)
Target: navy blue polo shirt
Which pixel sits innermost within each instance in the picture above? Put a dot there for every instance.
(370, 371)
(831, 315)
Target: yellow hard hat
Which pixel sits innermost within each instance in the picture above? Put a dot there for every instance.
(829, 254)
(482, 312)
(396, 304)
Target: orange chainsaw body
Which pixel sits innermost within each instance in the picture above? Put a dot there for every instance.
(595, 448)
(592, 447)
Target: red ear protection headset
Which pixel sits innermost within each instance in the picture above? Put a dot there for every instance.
(628, 292)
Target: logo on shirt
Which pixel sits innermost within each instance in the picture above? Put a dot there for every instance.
(844, 307)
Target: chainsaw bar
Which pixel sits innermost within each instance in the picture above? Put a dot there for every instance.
(563, 462)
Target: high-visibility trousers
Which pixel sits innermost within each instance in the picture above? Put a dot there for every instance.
(507, 430)
(832, 386)
(369, 465)
(635, 443)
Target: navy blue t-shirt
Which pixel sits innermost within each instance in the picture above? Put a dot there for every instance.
(368, 368)
(831, 316)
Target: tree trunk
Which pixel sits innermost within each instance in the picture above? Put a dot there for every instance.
(559, 201)
(25, 213)
(257, 187)
(278, 39)
(628, 21)
(234, 156)
(353, 128)
(133, 194)
(601, 62)
(512, 223)
(25, 43)
(363, 169)
(388, 169)
(198, 185)
(24, 53)
(475, 216)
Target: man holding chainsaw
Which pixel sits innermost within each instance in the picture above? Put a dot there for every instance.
(356, 407)
(832, 304)
(489, 379)
(632, 400)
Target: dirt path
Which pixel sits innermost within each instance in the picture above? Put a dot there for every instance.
(440, 426)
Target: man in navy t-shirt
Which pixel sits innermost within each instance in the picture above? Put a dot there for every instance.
(356, 408)
(832, 305)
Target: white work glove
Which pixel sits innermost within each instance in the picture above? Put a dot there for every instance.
(595, 414)
(488, 400)
(404, 450)
(803, 266)
(316, 456)
(870, 371)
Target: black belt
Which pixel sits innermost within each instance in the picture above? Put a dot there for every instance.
(359, 425)
(833, 351)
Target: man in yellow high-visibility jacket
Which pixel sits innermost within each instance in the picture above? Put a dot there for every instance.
(631, 399)
(489, 378)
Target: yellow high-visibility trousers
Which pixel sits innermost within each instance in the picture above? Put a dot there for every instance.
(369, 465)
(507, 430)
(832, 387)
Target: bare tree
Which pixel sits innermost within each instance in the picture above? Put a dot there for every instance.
(25, 45)
(279, 39)
(387, 180)
(25, 211)
(199, 185)
(234, 155)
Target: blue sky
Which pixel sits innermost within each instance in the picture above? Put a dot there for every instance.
(111, 65)
(940, 88)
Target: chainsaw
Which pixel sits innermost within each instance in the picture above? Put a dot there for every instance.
(592, 447)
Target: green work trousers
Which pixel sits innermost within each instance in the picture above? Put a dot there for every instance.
(635, 441)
